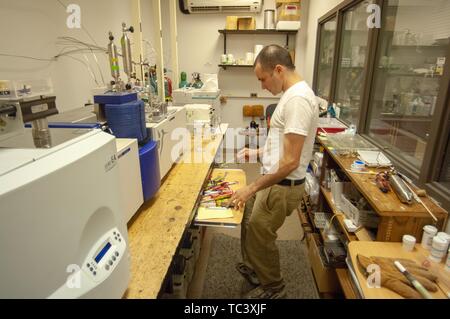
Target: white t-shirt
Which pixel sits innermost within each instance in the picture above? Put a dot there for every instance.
(296, 113)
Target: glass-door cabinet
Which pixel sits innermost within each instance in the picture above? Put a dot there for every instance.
(342, 58)
(326, 39)
(390, 78)
(411, 55)
(351, 63)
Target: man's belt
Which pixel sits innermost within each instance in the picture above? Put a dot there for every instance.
(291, 182)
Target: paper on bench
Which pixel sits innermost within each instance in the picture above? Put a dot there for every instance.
(208, 213)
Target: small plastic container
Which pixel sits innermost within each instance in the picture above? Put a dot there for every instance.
(444, 236)
(427, 238)
(438, 249)
(448, 261)
(408, 242)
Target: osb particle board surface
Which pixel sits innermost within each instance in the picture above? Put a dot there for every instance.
(156, 230)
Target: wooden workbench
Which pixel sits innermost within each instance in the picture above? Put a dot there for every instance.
(396, 218)
(155, 231)
(392, 250)
(229, 175)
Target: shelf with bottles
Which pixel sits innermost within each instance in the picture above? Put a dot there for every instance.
(416, 46)
(225, 66)
(398, 71)
(407, 118)
(326, 65)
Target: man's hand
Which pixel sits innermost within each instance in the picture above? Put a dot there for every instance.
(241, 196)
(246, 153)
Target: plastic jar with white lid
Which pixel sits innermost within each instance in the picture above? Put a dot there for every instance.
(427, 238)
(448, 261)
(444, 236)
(438, 249)
(408, 242)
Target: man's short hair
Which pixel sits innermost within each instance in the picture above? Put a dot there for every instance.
(272, 55)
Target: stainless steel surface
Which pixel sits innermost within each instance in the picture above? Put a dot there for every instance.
(41, 133)
(269, 19)
(113, 58)
(401, 189)
(126, 52)
(85, 114)
(7, 109)
(155, 116)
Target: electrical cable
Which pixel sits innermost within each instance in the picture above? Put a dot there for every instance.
(87, 67)
(91, 49)
(27, 57)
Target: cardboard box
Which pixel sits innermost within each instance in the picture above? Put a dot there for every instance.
(288, 12)
(326, 278)
(292, 53)
(231, 23)
(246, 23)
(281, 2)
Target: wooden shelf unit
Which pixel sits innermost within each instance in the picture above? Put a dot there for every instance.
(396, 218)
(339, 216)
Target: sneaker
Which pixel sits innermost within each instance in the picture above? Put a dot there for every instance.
(248, 273)
(266, 293)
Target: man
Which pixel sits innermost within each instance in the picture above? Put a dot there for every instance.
(285, 157)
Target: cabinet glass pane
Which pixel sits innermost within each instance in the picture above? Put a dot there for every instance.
(411, 57)
(352, 55)
(326, 56)
(445, 169)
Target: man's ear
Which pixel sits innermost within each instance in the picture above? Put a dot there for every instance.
(279, 68)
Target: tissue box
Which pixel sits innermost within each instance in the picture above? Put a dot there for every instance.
(246, 23)
(288, 12)
(231, 23)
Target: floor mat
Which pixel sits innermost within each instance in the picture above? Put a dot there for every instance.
(222, 281)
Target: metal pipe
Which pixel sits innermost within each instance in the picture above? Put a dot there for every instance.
(113, 59)
(126, 51)
(401, 189)
(41, 133)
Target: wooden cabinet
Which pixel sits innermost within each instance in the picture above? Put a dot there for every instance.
(391, 81)
(395, 218)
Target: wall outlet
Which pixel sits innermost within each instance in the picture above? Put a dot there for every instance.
(253, 94)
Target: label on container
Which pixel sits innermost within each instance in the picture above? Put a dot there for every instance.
(291, 10)
(39, 108)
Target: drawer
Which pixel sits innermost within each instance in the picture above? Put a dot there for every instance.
(230, 175)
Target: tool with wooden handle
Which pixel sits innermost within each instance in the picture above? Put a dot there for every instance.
(417, 199)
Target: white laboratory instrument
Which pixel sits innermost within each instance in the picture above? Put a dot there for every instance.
(209, 97)
(161, 133)
(62, 234)
(131, 196)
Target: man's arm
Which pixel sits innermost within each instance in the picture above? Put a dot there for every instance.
(249, 153)
(292, 145)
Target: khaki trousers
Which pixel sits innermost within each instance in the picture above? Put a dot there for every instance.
(264, 214)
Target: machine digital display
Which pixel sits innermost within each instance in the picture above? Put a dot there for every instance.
(102, 252)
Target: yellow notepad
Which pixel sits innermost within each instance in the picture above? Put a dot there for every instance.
(211, 213)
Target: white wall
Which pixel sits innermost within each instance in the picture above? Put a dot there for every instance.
(31, 28)
(200, 46)
(37, 24)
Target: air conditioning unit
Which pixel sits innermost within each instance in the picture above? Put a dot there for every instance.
(224, 6)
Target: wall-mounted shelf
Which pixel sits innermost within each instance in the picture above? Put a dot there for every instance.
(225, 66)
(256, 32)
